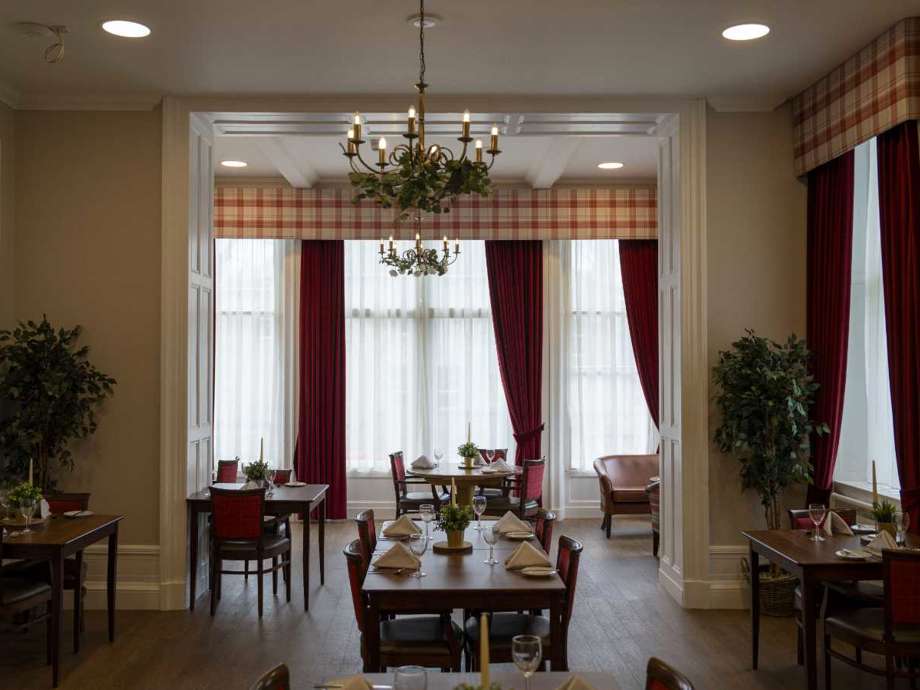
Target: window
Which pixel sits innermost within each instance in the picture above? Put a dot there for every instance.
(257, 297)
(867, 430)
(421, 360)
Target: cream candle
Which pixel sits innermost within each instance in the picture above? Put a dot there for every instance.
(30, 470)
(453, 493)
(874, 486)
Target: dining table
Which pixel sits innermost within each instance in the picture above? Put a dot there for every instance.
(438, 680)
(813, 563)
(465, 479)
(54, 540)
(282, 500)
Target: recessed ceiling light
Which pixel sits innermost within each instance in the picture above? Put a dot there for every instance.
(610, 166)
(234, 164)
(746, 32)
(125, 28)
(430, 20)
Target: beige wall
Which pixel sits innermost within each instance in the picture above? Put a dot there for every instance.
(756, 264)
(7, 190)
(88, 252)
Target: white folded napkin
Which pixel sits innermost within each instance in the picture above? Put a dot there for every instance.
(44, 510)
(834, 524)
(349, 683)
(509, 522)
(526, 556)
(398, 556)
(422, 462)
(251, 485)
(500, 466)
(403, 527)
(882, 541)
(576, 682)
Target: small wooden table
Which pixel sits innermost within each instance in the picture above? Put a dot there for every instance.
(284, 500)
(464, 479)
(54, 541)
(507, 679)
(813, 563)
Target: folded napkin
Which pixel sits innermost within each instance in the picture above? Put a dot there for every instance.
(251, 485)
(834, 524)
(498, 466)
(398, 556)
(576, 682)
(526, 556)
(422, 462)
(403, 527)
(882, 541)
(44, 510)
(509, 522)
(349, 683)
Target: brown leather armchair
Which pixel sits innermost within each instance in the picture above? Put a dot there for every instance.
(622, 480)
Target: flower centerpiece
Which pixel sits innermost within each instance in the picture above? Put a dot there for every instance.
(23, 495)
(454, 520)
(257, 471)
(883, 511)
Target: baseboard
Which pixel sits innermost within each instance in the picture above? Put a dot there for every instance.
(137, 585)
(382, 509)
(725, 588)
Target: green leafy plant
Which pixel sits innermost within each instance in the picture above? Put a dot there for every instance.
(468, 450)
(883, 511)
(52, 393)
(24, 492)
(454, 518)
(765, 393)
(257, 470)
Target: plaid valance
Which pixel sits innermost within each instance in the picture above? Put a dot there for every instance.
(870, 93)
(619, 212)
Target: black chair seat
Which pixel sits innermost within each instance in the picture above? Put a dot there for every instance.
(868, 625)
(17, 589)
(424, 497)
(421, 633)
(504, 626)
(246, 550)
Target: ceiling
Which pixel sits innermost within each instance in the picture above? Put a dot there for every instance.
(627, 47)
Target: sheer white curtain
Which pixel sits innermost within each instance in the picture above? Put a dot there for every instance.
(420, 360)
(256, 340)
(600, 408)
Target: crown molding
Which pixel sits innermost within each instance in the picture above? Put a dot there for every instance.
(91, 101)
(760, 103)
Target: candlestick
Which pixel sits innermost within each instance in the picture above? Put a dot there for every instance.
(30, 470)
(874, 486)
(382, 150)
(484, 651)
(469, 431)
(381, 246)
(357, 126)
(494, 134)
(411, 120)
(466, 124)
(456, 245)
(392, 246)
(261, 448)
(418, 243)
(446, 249)
(351, 142)
(453, 493)
(479, 150)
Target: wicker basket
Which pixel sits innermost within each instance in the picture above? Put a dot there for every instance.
(777, 592)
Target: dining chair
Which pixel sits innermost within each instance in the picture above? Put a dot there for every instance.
(227, 471)
(543, 528)
(75, 568)
(367, 533)
(431, 641)
(497, 454)
(281, 476)
(529, 489)
(892, 631)
(238, 534)
(25, 599)
(279, 678)
(661, 676)
(409, 501)
(504, 626)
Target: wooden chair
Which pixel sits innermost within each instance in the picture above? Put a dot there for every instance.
(660, 676)
(75, 568)
(504, 626)
(498, 454)
(281, 477)
(22, 594)
(543, 528)
(279, 678)
(432, 641)
(227, 471)
(529, 499)
(238, 534)
(409, 501)
(892, 631)
(367, 533)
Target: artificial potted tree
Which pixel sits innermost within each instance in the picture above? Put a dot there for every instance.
(51, 393)
(765, 392)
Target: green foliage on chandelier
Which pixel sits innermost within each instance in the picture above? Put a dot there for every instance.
(421, 185)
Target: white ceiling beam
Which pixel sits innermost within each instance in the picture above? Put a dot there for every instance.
(288, 156)
(544, 172)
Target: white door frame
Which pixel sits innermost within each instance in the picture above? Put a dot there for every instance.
(685, 501)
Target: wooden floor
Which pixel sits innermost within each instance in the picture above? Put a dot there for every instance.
(621, 618)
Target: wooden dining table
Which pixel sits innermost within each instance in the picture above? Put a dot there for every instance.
(59, 538)
(283, 500)
(813, 563)
(465, 479)
(437, 680)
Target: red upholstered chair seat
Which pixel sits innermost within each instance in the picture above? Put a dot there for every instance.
(660, 676)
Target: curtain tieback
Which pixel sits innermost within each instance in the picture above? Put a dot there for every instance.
(910, 499)
(527, 435)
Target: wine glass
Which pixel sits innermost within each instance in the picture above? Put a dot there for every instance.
(27, 510)
(526, 653)
(490, 536)
(901, 525)
(426, 512)
(418, 544)
(817, 513)
(479, 507)
(438, 454)
(410, 678)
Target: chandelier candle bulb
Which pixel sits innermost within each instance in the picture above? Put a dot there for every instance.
(357, 127)
(411, 120)
(446, 246)
(494, 135)
(392, 247)
(479, 150)
(351, 142)
(466, 124)
(456, 246)
(382, 150)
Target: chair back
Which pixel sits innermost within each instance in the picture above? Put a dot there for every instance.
(281, 476)
(653, 491)
(532, 482)
(660, 676)
(279, 678)
(356, 570)
(567, 559)
(498, 454)
(902, 590)
(398, 472)
(63, 503)
(543, 528)
(227, 471)
(799, 518)
(237, 515)
(367, 533)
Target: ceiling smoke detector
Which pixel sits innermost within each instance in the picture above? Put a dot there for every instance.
(53, 53)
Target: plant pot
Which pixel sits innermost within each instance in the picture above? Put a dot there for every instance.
(887, 527)
(455, 539)
(468, 463)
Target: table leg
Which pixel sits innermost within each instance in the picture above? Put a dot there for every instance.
(557, 661)
(810, 600)
(110, 580)
(57, 606)
(306, 557)
(77, 601)
(754, 560)
(322, 542)
(372, 637)
(192, 555)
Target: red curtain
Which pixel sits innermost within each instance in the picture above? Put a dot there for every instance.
(639, 268)
(830, 245)
(516, 290)
(321, 426)
(899, 206)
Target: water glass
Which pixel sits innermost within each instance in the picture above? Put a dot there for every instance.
(438, 454)
(901, 525)
(410, 678)
(27, 510)
(479, 507)
(490, 536)
(526, 653)
(426, 512)
(817, 513)
(419, 545)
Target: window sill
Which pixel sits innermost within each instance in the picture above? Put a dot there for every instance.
(581, 474)
(861, 492)
(354, 474)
